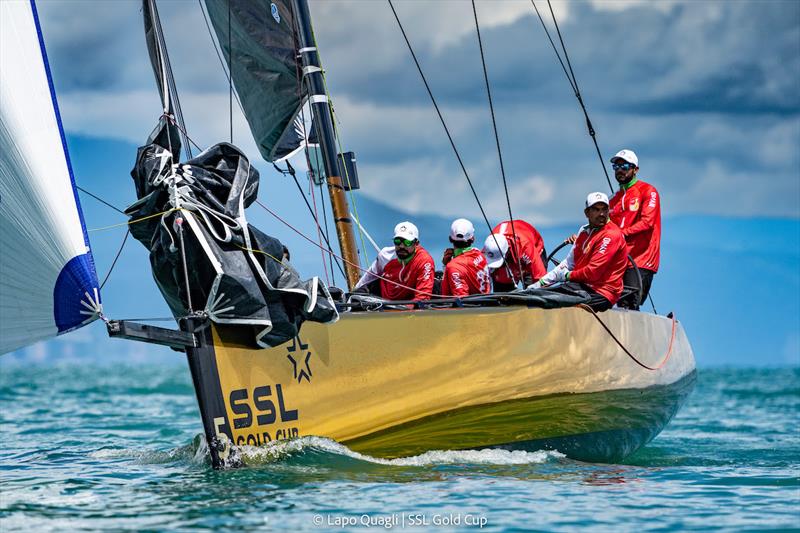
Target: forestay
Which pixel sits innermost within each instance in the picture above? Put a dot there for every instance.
(48, 282)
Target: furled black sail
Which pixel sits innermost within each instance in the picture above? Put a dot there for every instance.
(264, 68)
(204, 254)
(236, 274)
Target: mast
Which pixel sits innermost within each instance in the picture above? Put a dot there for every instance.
(320, 108)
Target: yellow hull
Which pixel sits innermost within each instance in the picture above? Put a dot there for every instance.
(399, 383)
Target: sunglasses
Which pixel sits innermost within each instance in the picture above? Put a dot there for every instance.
(398, 241)
(622, 166)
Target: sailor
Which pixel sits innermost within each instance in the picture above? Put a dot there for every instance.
(511, 246)
(400, 272)
(597, 260)
(636, 209)
(466, 271)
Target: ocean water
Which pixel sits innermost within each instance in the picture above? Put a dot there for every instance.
(116, 448)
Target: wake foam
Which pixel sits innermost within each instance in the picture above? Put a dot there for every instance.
(323, 449)
(285, 450)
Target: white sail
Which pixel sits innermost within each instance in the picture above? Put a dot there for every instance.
(48, 283)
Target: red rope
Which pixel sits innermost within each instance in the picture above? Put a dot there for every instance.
(359, 267)
(669, 348)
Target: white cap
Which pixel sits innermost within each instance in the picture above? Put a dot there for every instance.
(406, 230)
(626, 155)
(494, 255)
(462, 230)
(596, 197)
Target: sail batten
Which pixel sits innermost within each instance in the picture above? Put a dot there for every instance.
(46, 267)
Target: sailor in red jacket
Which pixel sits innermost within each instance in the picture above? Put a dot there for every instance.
(597, 260)
(401, 272)
(636, 209)
(466, 271)
(510, 246)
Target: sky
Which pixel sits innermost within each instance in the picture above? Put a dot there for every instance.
(706, 92)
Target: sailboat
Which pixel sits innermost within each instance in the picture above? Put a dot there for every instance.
(273, 357)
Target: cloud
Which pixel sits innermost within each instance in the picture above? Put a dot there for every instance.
(707, 92)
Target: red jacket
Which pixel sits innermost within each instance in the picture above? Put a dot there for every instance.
(637, 211)
(529, 245)
(417, 274)
(466, 274)
(599, 259)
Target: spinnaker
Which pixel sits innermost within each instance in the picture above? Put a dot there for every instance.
(48, 281)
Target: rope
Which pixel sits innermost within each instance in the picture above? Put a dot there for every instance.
(114, 262)
(338, 137)
(170, 86)
(573, 82)
(359, 267)
(219, 55)
(246, 249)
(497, 141)
(327, 232)
(128, 223)
(291, 172)
(99, 199)
(624, 349)
(444, 125)
(319, 232)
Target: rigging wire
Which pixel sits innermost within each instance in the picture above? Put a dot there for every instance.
(171, 88)
(338, 137)
(327, 232)
(289, 170)
(319, 231)
(230, 71)
(175, 104)
(354, 265)
(447, 131)
(124, 239)
(100, 199)
(292, 173)
(219, 55)
(116, 257)
(573, 82)
(497, 140)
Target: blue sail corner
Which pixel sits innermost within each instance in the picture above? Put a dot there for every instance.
(75, 280)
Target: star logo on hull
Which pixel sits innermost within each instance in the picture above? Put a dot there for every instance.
(298, 348)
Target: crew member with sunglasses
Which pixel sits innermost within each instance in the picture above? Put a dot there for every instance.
(401, 272)
(465, 271)
(636, 209)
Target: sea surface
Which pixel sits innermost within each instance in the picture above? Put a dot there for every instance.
(118, 448)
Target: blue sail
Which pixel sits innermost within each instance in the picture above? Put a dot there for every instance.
(48, 280)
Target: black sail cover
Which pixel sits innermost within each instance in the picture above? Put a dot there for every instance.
(236, 273)
(264, 68)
